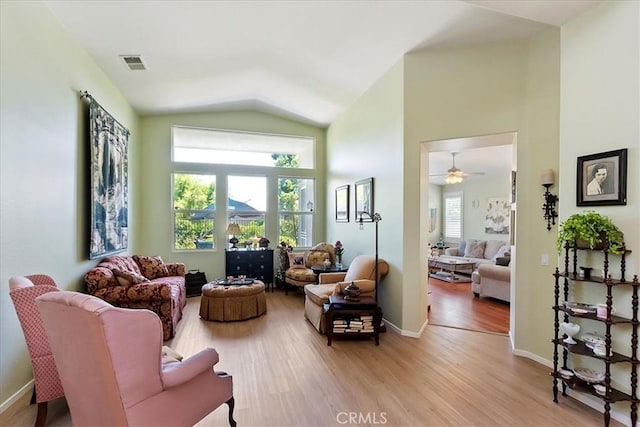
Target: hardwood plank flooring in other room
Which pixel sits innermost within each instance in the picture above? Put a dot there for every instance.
(453, 305)
(285, 375)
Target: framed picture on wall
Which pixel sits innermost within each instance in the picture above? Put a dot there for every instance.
(602, 179)
(364, 200)
(342, 203)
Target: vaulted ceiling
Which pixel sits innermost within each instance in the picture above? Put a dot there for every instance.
(308, 60)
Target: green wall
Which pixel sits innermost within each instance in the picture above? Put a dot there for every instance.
(367, 142)
(565, 96)
(600, 111)
(157, 167)
(44, 172)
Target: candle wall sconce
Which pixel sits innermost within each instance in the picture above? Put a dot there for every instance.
(550, 200)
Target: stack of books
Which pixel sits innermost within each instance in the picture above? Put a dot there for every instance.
(367, 323)
(356, 324)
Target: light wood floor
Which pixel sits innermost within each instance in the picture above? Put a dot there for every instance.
(285, 375)
(453, 304)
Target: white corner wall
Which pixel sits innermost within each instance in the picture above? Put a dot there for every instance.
(480, 190)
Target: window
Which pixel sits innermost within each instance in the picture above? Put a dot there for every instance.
(296, 198)
(453, 216)
(247, 205)
(194, 197)
(267, 180)
(194, 145)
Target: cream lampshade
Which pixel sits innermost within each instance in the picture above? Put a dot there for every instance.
(233, 230)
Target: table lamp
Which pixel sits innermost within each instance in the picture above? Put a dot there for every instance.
(233, 230)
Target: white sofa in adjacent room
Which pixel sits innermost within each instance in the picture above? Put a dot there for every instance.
(478, 251)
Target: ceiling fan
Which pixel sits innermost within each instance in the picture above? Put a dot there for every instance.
(455, 175)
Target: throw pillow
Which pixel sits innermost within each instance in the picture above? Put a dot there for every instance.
(317, 257)
(151, 267)
(503, 260)
(296, 260)
(492, 247)
(461, 247)
(128, 278)
(503, 251)
(474, 248)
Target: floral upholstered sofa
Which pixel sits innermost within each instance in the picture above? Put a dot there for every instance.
(141, 282)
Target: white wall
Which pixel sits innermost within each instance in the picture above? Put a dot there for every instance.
(155, 199)
(480, 190)
(44, 173)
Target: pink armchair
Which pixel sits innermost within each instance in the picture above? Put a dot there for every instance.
(23, 292)
(111, 366)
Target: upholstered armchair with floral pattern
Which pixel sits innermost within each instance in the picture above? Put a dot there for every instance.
(141, 282)
(299, 272)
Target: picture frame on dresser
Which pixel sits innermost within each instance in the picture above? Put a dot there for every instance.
(602, 179)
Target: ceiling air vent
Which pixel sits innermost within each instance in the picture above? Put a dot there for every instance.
(134, 62)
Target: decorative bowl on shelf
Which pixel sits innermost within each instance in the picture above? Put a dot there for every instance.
(600, 389)
(580, 308)
(589, 375)
(566, 374)
(592, 339)
(570, 330)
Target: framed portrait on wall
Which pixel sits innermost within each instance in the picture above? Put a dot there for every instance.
(602, 179)
(342, 203)
(364, 200)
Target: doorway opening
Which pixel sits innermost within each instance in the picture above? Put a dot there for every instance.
(482, 174)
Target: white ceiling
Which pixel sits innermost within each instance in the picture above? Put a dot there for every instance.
(488, 154)
(308, 60)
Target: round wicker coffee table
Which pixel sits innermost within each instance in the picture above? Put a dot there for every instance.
(227, 303)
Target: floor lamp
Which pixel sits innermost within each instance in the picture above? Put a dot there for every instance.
(376, 218)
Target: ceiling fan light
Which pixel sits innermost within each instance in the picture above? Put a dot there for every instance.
(453, 178)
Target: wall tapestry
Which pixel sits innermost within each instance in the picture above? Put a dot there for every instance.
(497, 219)
(109, 182)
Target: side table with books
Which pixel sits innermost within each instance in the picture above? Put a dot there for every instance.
(352, 318)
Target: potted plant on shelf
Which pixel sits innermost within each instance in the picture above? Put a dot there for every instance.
(589, 229)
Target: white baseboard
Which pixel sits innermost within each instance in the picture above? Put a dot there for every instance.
(532, 356)
(26, 389)
(404, 333)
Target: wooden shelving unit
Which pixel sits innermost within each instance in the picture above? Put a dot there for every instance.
(562, 283)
